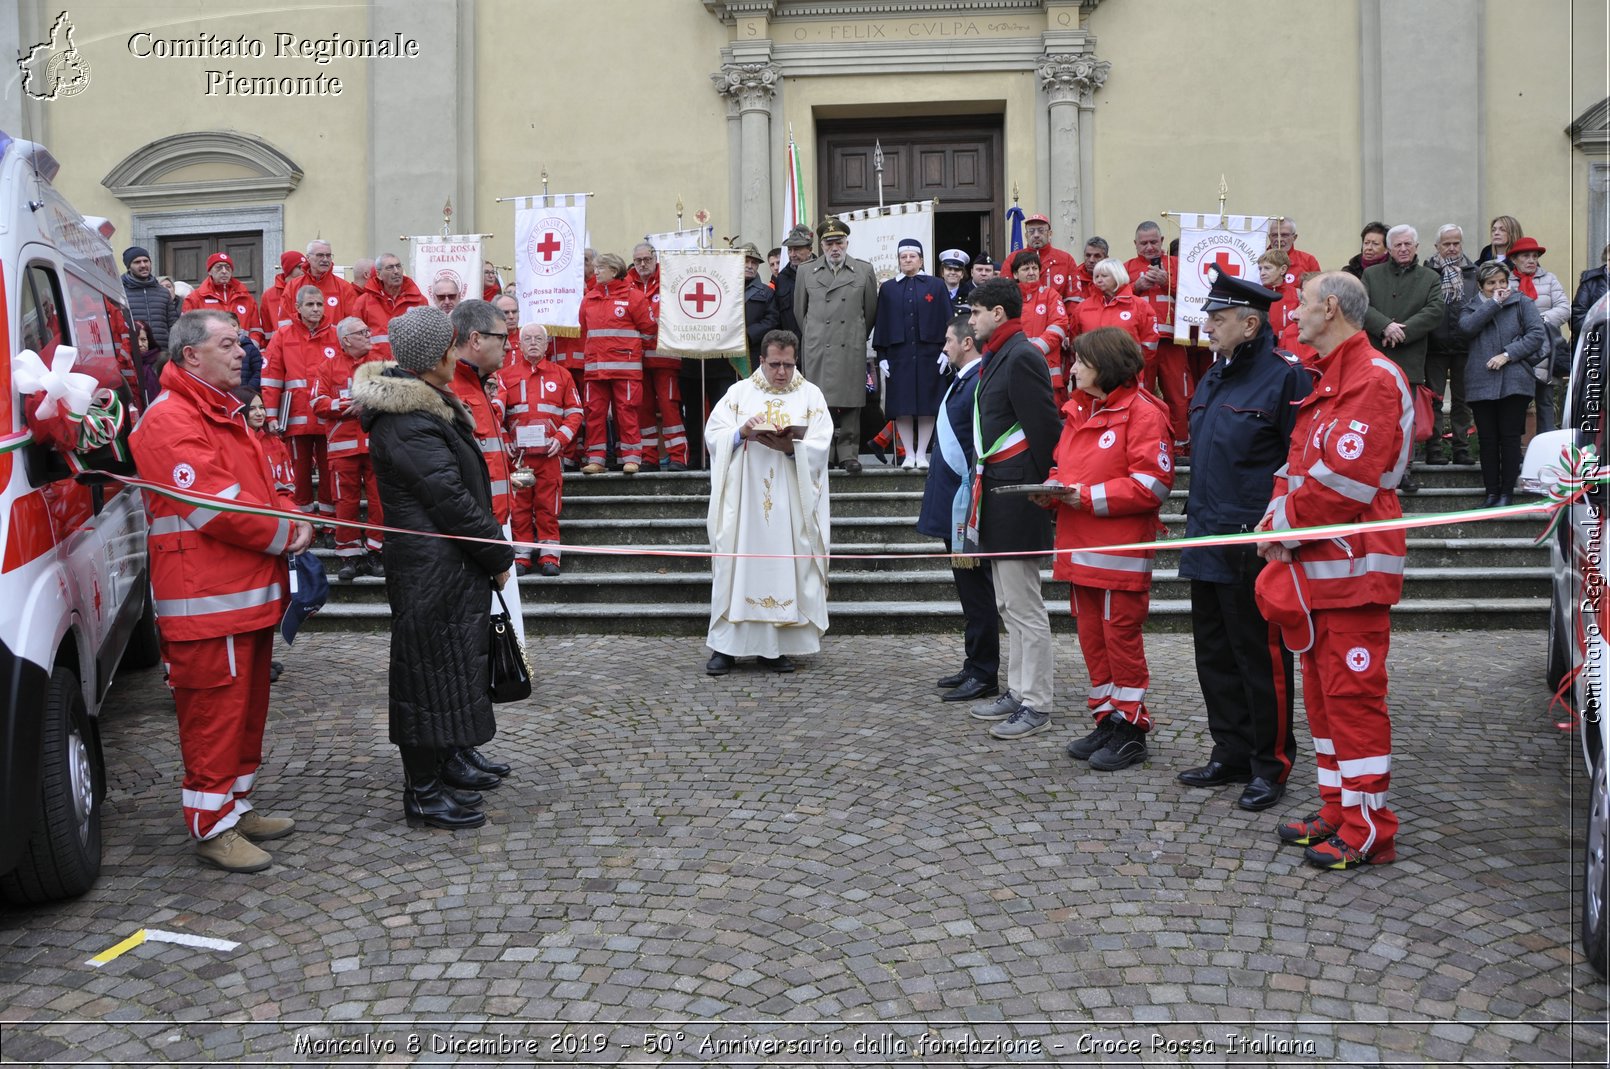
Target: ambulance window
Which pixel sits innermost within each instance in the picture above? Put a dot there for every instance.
(43, 328)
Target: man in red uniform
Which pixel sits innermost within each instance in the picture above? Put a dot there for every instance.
(389, 294)
(1152, 273)
(1283, 236)
(347, 448)
(569, 352)
(1333, 596)
(279, 306)
(1044, 319)
(339, 296)
(223, 291)
(509, 309)
(662, 387)
(289, 367)
(1056, 266)
(542, 419)
(219, 583)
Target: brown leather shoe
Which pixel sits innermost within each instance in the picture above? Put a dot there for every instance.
(260, 828)
(232, 852)
(629, 468)
(592, 468)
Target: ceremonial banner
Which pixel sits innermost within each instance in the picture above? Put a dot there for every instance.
(453, 256)
(702, 303)
(1014, 218)
(549, 236)
(1231, 243)
(875, 234)
(794, 211)
(682, 240)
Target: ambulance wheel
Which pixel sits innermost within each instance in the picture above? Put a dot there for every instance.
(145, 648)
(63, 856)
(1596, 871)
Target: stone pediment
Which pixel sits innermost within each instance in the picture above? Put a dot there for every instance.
(206, 167)
(1591, 131)
(729, 11)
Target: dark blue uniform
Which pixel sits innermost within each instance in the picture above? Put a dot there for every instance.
(1242, 415)
(913, 311)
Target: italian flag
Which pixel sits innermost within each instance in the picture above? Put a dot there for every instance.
(794, 211)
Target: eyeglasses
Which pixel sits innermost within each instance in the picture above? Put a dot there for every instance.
(780, 367)
(642, 259)
(500, 335)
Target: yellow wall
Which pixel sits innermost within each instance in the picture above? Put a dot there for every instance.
(617, 101)
(1165, 132)
(130, 102)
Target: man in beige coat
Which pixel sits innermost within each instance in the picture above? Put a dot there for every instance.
(836, 304)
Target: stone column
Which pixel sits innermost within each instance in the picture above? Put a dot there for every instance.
(1070, 83)
(752, 86)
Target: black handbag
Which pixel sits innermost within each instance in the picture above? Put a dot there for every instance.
(508, 677)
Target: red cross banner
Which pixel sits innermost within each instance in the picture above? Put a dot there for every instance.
(454, 257)
(702, 303)
(550, 234)
(1230, 243)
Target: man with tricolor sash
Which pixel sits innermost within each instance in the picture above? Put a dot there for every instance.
(1015, 431)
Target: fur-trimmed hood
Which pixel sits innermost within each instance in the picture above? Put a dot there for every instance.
(382, 388)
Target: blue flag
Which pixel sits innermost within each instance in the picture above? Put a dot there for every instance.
(1014, 216)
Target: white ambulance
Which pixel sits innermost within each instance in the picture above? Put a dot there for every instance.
(75, 597)
(1579, 617)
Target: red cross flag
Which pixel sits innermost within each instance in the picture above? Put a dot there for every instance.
(702, 303)
(550, 235)
(1231, 243)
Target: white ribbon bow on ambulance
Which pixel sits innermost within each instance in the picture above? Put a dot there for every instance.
(59, 381)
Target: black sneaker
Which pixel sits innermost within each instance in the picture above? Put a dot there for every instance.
(375, 564)
(1081, 749)
(1126, 746)
(349, 569)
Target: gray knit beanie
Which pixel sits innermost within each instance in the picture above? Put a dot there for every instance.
(419, 338)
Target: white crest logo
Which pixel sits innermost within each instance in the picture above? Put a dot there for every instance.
(1123, 315)
(184, 476)
(1108, 437)
(1164, 461)
(1358, 659)
(332, 301)
(54, 69)
(1350, 446)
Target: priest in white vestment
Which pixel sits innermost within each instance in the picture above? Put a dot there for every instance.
(769, 438)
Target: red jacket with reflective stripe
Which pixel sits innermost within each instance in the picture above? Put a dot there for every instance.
(1124, 311)
(1349, 450)
(483, 400)
(651, 292)
(1045, 324)
(279, 460)
(340, 296)
(332, 403)
(615, 319)
(542, 394)
(290, 366)
(275, 306)
(237, 300)
(1161, 298)
(1119, 452)
(212, 573)
(1056, 269)
(377, 309)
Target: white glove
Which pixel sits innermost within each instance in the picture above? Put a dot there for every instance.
(943, 363)
(883, 366)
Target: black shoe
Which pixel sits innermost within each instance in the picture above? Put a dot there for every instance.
(883, 458)
(1126, 747)
(275, 670)
(954, 680)
(375, 564)
(549, 569)
(521, 569)
(676, 465)
(972, 690)
(1213, 774)
(1463, 457)
(719, 664)
(779, 664)
(1081, 749)
(1502, 502)
(458, 772)
(852, 466)
(467, 799)
(433, 804)
(1439, 458)
(349, 570)
(1490, 501)
(486, 764)
(1408, 485)
(1261, 794)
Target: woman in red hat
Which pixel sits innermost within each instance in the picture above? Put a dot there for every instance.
(1549, 297)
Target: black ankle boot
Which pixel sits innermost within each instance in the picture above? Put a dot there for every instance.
(1489, 501)
(486, 764)
(1502, 502)
(467, 799)
(457, 772)
(432, 804)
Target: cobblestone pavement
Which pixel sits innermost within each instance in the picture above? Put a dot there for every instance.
(687, 870)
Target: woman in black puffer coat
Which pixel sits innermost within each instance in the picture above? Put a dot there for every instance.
(432, 478)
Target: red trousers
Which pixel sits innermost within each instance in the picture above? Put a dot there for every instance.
(624, 396)
(536, 510)
(1344, 691)
(1110, 623)
(220, 686)
(354, 477)
(573, 452)
(659, 416)
(1176, 384)
(307, 453)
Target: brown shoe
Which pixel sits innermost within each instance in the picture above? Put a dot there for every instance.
(629, 468)
(232, 852)
(260, 828)
(592, 467)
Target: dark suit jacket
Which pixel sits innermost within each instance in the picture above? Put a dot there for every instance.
(940, 490)
(1015, 388)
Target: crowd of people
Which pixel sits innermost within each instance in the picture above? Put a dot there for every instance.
(1048, 403)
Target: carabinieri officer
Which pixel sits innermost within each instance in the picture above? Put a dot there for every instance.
(1241, 421)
